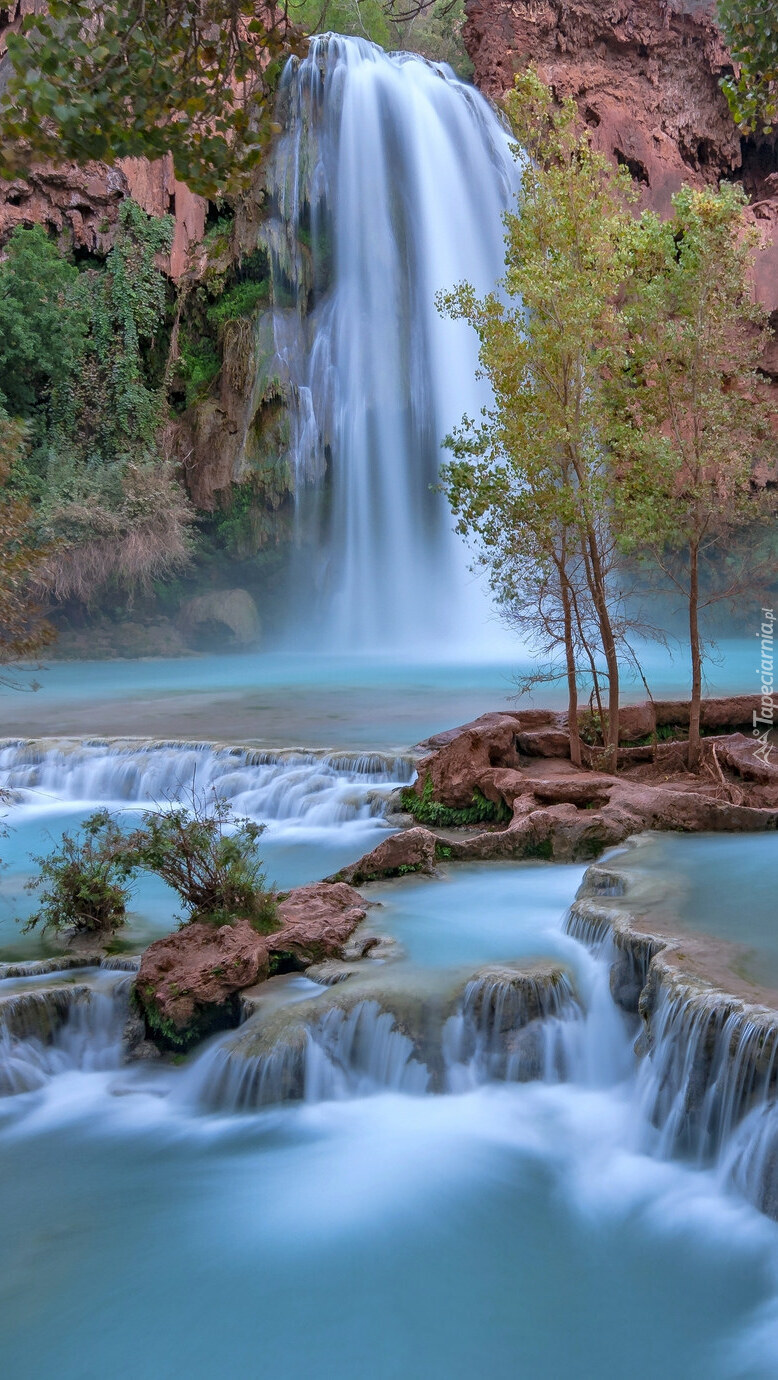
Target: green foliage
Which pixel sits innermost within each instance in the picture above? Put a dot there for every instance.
(75, 366)
(363, 18)
(240, 300)
(22, 631)
(159, 1026)
(691, 414)
(44, 319)
(83, 883)
(529, 480)
(751, 30)
(199, 363)
(109, 79)
(210, 858)
(208, 855)
(426, 810)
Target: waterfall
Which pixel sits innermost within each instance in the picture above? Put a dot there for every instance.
(49, 1030)
(388, 185)
(317, 789)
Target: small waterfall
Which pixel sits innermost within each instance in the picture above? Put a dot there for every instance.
(344, 1053)
(378, 376)
(711, 1061)
(50, 1030)
(512, 1026)
(318, 789)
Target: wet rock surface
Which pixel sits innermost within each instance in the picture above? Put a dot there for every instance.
(189, 982)
(411, 850)
(520, 764)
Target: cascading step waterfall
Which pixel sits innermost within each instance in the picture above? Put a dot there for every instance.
(377, 376)
(394, 1030)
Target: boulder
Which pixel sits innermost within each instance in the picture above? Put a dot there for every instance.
(222, 618)
(456, 768)
(550, 741)
(739, 754)
(317, 921)
(188, 981)
(411, 850)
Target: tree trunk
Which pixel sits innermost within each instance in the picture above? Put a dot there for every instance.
(600, 601)
(572, 683)
(695, 747)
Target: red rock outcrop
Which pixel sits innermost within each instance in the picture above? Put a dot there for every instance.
(188, 982)
(81, 204)
(189, 976)
(645, 75)
(566, 812)
(410, 850)
(317, 920)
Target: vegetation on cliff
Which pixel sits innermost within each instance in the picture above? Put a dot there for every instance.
(81, 369)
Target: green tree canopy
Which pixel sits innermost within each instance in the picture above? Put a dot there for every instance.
(530, 479)
(108, 79)
(751, 30)
(691, 420)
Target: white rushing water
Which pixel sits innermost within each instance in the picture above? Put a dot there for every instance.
(391, 180)
(524, 1220)
(290, 787)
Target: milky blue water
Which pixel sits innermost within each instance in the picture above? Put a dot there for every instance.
(719, 884)
(288, 700)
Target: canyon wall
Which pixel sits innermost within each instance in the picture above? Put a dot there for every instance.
(645, 75)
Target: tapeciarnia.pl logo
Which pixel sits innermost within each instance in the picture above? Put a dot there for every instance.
(765, 715)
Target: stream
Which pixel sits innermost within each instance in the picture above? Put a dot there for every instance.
(454, 1163)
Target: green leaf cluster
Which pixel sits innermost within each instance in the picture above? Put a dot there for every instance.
(77, 367)
(427, 810)
(110, 79)
(207, 854)
(84, 883)
(751, 30)
(210, 858)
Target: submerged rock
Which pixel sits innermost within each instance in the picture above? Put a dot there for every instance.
(404, 1030)
(221, 617)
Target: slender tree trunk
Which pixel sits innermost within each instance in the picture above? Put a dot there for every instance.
(572, 683)
(600, 601)
(695, 747)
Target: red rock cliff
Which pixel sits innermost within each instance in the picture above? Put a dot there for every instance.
(645, 75)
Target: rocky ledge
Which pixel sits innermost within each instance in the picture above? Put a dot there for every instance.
(504, 787)
(189, 982)
(708, 1038)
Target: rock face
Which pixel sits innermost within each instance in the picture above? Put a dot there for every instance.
(189, 982)
(318, 919)
(223, 617)
(520, 764)
(81, 204)
(411, 850)
(645, 75)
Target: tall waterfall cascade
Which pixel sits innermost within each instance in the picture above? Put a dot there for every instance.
(388, 185)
